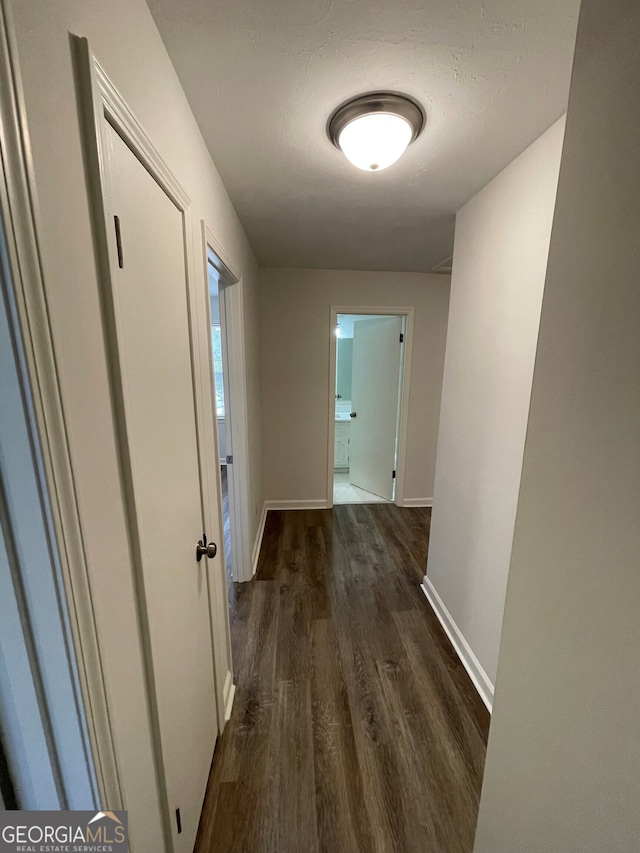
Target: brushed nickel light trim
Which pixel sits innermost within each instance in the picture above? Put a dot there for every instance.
(377, 102)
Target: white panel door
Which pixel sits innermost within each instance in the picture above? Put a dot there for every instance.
(374, 400)
(153, 340)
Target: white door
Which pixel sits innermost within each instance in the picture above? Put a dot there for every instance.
(375, 388)
(153, 342)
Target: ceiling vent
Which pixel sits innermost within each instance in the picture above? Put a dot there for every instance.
(445, 266)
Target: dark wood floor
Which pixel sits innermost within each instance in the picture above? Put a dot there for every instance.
(355, 727)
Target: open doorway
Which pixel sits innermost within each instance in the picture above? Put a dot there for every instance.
(366, 408)
(220, 364)
(228, 377)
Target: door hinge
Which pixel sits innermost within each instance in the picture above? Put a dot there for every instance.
(178, 821)
(229, 460)
(116, 221)
(401, 337)
(393, 475)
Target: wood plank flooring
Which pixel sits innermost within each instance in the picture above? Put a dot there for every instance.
(355, 728)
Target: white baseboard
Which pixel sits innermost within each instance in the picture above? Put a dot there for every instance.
(258, 542)
(228, 693)
(470, 662)
(417, 502)
(320, 503)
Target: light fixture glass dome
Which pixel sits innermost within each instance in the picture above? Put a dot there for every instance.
(374, 130)
(373, 142)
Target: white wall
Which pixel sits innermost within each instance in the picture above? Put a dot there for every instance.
(125, 40)
(295, 318)
(563, 763)
(499, 262)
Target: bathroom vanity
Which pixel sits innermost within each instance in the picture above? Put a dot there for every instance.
(342, 434)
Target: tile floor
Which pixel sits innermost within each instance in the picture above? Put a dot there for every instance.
(345, 493)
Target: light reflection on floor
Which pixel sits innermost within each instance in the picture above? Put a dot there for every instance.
(345, 493)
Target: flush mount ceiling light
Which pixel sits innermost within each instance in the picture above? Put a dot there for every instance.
(374, 130)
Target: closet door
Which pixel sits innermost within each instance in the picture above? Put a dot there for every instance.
(152, 327)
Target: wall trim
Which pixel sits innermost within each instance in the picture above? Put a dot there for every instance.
(317, 503)
(470, 662)
(229, 693)
(121, 118)
(417, 502)
(258, 540)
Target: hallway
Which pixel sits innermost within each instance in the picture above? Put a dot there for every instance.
(355, 727)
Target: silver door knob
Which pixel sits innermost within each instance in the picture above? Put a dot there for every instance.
(204, 549)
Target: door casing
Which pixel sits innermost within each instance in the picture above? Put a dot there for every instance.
(104, 104)
(231, 302)
(22, 220)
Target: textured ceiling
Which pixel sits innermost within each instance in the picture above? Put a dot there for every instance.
(263, 76)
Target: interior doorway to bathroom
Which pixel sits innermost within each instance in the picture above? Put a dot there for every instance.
(221, 386)
(367, 407)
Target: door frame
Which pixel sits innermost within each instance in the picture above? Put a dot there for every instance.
(104, 104)
(231, 307)
(22, 224)
(403, 421)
